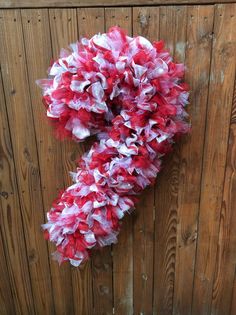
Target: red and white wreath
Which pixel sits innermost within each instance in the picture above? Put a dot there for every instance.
(130, 93)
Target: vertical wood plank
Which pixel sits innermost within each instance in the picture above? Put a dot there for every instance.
(5, 290)
(38, 55)
(63, 25)
(233, 298)
(197, 61)
(218, 119)
(123, 250)
(173, 32)
(14, 271)
(226, 252)
(102, 281)
(145, 23)
(90, 22)
(25, 152)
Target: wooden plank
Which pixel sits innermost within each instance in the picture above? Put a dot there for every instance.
(5, 289)
(90, 22)
(226, 253)
(214, 163)
(98, 3)
(102, 281)
(63, 24)
(233, 298)
(145, 23)
(123, 250)
(26, 160)
(14, 270)
(38, 55)
(197, 60)
(173, 32)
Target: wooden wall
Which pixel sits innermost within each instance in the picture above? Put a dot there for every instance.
(177, 253)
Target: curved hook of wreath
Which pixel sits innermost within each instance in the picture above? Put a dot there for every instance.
(129, 93)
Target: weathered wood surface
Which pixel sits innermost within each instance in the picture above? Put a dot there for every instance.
(145, 23)
(220, 96)
(98, 3)
(197, 59)
(25, 155)
(177, 253)
(123, 251)
(36, 25)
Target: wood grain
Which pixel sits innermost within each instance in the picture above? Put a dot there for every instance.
(233, 298)
(173, 32)
(64, 30)
(197, 60)
(5, 289)
(91, 21)
(98, 3)
(24, 145)
(226, 251)
(102, 281)
(123, 250)
(36, 25)
(214, 162)
(15, 277)
(145, 23)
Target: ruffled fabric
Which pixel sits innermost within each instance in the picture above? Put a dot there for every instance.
(130, 93)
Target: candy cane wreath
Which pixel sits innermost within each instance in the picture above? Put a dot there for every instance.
(130, 94)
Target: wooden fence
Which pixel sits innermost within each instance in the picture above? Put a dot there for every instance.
(177, 253)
